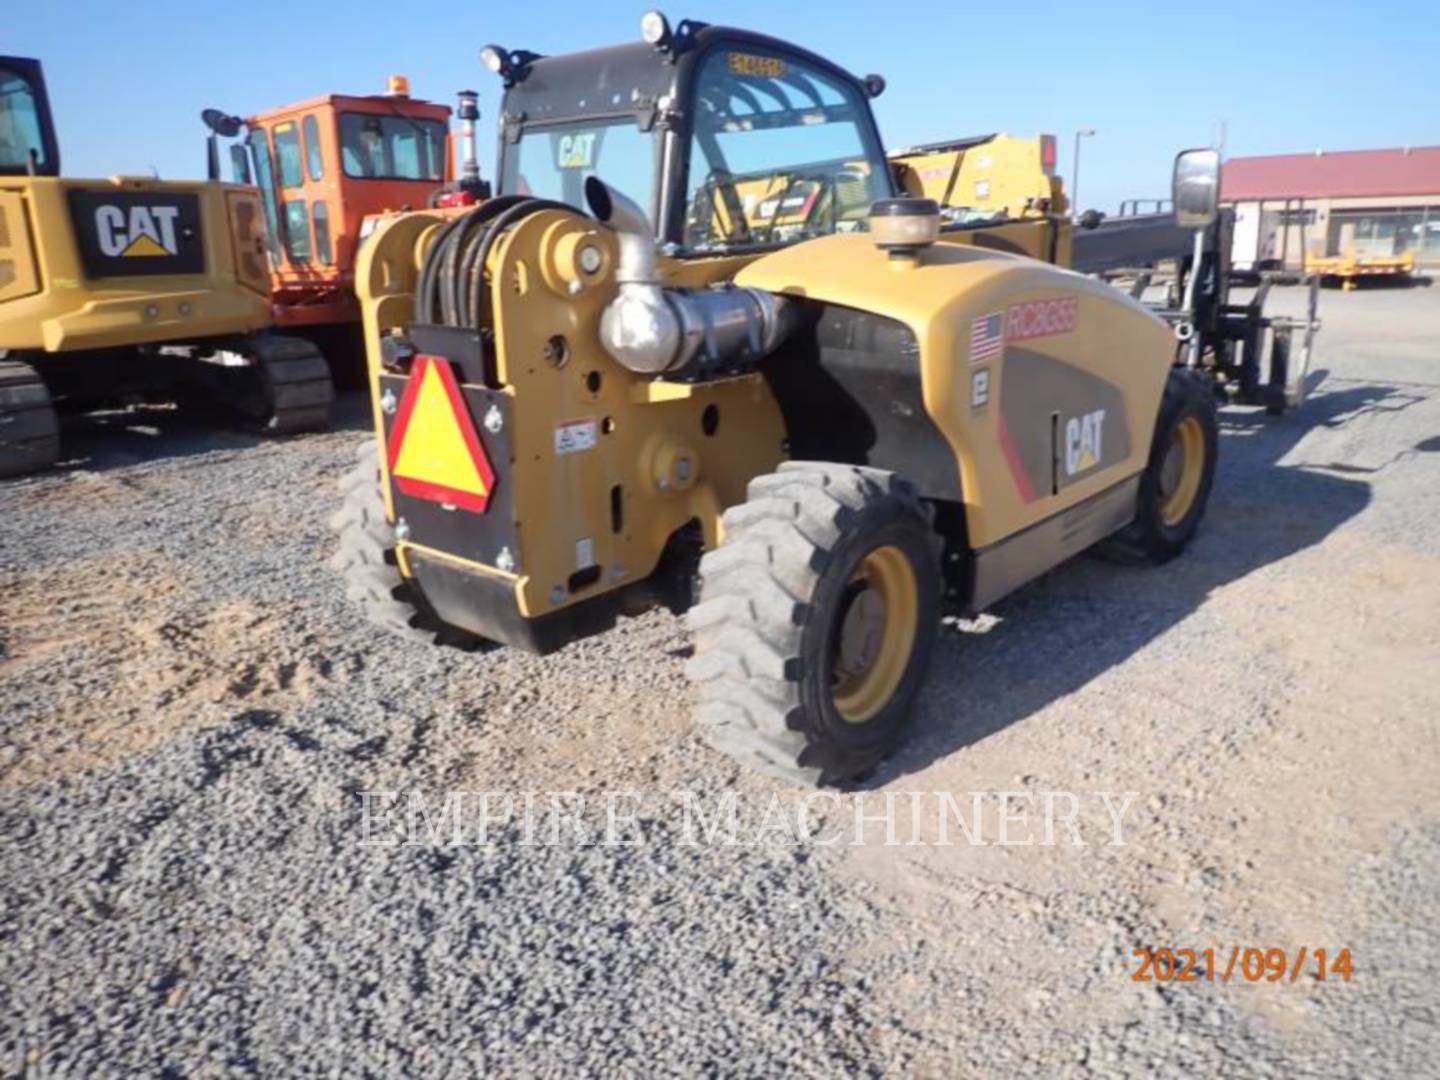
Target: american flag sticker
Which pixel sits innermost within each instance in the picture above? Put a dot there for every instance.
(987, 337)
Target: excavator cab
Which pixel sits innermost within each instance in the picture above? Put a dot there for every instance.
(28, 146)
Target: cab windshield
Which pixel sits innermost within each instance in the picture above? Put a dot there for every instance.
(21, 133)
(780, 152)
(553, 161)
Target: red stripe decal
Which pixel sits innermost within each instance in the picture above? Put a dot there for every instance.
(1012, 458)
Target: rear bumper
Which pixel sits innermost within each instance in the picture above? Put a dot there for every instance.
(488, 604)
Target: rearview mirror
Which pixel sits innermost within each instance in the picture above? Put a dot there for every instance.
(1196, 188)
(222, 124)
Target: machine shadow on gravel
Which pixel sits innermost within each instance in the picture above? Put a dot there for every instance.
(1055, 635)
(102, 439)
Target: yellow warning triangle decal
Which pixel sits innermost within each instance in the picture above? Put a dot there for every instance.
(143, 245)
(435, 452)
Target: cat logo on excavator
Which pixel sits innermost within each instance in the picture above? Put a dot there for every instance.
(146, 230)
(434, 451)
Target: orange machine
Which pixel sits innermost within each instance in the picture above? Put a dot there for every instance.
(327, 163)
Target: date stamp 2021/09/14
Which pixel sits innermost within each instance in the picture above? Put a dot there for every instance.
(1247, 963)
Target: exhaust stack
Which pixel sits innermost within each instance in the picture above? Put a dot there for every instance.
(468, 112)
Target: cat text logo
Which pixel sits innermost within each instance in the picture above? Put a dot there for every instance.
(124, 232)
(1082, 441)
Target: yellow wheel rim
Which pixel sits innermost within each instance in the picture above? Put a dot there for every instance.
(876, 634)
(1182, 470)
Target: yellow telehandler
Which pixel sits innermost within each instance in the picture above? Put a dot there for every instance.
(625, 381)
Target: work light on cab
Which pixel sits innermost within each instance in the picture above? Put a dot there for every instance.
(655, 29)
(494, 59)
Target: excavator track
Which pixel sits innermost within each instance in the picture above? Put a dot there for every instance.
(29, 428)
(287, 389)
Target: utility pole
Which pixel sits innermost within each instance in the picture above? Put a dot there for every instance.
(1082, 133)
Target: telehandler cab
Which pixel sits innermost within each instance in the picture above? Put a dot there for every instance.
(755, 372)
(131, 286)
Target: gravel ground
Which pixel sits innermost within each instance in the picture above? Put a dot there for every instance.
(190, 713)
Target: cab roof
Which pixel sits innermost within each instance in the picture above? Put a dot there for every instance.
(626, 78)
(376, 103)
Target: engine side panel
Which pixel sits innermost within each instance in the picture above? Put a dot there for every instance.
(849, 386)
(1044, 383)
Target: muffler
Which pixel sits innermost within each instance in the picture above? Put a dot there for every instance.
(688, 333)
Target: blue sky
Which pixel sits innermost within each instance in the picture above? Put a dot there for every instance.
(128, 79)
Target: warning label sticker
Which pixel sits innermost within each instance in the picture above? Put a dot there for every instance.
(574, 436)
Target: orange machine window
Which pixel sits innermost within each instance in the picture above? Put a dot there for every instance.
(314, 163)
(297, 231)
(320, 215)
(287, 155)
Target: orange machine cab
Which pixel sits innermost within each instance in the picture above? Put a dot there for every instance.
(324, 165)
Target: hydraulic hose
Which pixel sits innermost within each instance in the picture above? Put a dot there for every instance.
(476, 270)
(451, 286)
(452, 272)
(425, 301)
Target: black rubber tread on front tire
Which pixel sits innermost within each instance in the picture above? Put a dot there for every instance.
(1148, 538)
(769, 608)
(29, 428)
(364, 559)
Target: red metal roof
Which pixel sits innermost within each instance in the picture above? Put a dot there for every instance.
(1332, 173)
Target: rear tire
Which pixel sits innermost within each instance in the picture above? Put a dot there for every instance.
(816, 620)
(365, 559)
(29, 428)
(1175, 485)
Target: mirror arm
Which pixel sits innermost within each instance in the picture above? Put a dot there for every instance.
(1197, 254)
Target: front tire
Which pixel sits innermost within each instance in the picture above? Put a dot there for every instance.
(364, 558)
(816, 620)
(1175, 486)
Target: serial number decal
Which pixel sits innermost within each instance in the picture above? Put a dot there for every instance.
(766, 67)
(574, 436)
(1042, 318)
(1247, 963)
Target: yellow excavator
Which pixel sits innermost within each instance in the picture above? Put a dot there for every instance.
(131, 287)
